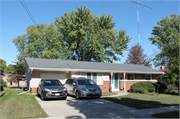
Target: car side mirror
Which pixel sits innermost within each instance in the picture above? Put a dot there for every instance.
(63, 84)
(74, 84)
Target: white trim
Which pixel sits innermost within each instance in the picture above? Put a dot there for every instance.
(93, 70)
(124, 82)
(140, 80)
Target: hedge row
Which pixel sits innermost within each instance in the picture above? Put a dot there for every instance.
(147, 86)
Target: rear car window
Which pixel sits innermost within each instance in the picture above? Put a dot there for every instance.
(86, 82)
(52, 83)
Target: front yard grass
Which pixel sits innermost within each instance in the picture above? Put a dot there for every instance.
(108, 94)
(19, 106)
(174, 114)
(143, 101)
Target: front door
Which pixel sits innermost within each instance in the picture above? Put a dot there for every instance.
(116, 81)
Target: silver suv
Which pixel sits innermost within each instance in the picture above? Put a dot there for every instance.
(82, 87)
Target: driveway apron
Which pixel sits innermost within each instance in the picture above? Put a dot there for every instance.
(85, 108)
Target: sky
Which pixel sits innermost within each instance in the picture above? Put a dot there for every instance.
(15, 20)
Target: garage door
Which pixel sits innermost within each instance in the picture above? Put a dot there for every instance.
(61, 77)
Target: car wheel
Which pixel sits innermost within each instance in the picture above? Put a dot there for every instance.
(42, 96)
(77, 95)
(37, 93)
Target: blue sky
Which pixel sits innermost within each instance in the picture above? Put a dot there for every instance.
(14, 19)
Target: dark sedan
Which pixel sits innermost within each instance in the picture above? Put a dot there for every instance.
(51, 88)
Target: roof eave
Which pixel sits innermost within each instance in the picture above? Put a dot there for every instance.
(91, 70)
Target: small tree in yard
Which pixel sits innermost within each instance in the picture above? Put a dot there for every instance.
(136, 56)
(17, 73)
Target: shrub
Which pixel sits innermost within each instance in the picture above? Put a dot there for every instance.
(144, 86)
(144, 91)
(162, 87)
(3, 84)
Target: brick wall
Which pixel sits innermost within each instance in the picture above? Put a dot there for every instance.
(33, 90)
(105, 87)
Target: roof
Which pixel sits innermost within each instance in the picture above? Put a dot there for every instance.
(67, 65)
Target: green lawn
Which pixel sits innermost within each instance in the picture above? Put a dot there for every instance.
(143, 101)
(108, 94)
(19, 106)
(174, 114)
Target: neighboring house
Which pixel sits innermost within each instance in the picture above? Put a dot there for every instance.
(164, 79)
(22, 82)
(122, 75)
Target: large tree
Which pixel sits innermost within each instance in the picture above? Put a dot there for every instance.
(2, 66)
(88, 37)
(136, 56)
(166, 37)
(9, 68)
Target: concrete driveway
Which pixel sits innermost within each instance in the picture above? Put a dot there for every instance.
(85, 108)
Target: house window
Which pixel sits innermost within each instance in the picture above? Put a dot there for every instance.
(147, 76)
(99, 79)
(83, 74)
(96, 77)
(130, 76)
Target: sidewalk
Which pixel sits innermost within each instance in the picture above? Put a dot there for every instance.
(119, 94)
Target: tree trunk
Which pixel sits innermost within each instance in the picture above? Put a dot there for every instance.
(18, 83)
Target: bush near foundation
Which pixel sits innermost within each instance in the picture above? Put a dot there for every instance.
(142, 87)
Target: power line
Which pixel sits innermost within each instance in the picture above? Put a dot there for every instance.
(149, 7)
(28, 12)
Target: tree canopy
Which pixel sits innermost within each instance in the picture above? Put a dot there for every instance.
(2, 65)
(88, 37)
(9, 68)
(136, 56)
(166, 37)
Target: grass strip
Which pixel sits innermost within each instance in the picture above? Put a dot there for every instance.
(174, 114)
(143, 101)
(19, 106)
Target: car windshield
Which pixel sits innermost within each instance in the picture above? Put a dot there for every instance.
(86, 82)
(52, 83)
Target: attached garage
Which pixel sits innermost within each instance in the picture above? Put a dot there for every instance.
(61, 77)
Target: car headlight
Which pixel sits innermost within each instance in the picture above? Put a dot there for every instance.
(84, 89)
(98, 89)
(48, 90)
(64, 89)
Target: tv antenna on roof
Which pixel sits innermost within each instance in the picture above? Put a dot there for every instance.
(138, 21)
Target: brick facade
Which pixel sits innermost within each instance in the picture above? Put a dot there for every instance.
(105, 87)
(33, 90)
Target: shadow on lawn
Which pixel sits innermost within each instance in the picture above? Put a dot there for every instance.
(16, 87)
(2, 94)
(139, 104)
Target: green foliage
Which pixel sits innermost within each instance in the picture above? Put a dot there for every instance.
(41, 41)
(144, 91)
(2, 66)
(166, 37)
(161, 86)
(142, 87)
(3, 83)
(88, 37)
(9, 68)
(170, 91)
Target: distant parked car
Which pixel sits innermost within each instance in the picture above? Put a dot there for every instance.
(82, 87)
(51, 88)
